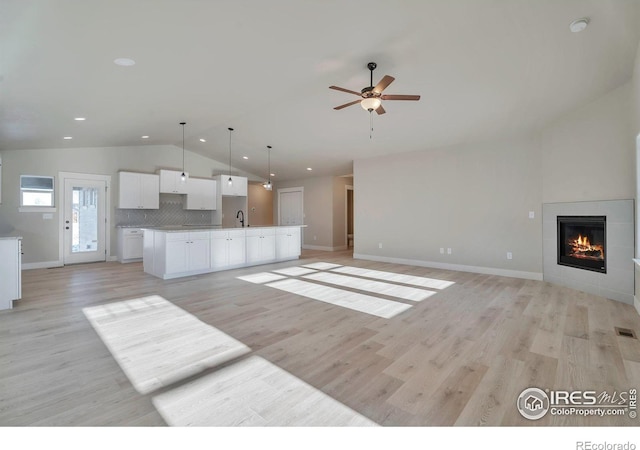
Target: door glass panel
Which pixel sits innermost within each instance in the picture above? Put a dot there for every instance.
(84, 223)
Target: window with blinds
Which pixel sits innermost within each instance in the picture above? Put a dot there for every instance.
(36, 191)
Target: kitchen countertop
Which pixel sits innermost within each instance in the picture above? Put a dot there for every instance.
(183, 228)
(10, 237)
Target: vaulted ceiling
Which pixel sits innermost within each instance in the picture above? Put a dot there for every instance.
(484, 69)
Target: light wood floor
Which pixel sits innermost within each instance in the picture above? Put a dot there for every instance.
(459, 357)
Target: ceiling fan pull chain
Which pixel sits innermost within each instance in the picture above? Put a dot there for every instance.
(370, 124)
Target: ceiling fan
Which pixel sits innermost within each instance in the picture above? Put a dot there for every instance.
(372, 96)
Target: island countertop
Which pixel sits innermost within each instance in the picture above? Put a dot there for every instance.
(183, 228)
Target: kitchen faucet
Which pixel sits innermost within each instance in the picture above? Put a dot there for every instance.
(240, 212)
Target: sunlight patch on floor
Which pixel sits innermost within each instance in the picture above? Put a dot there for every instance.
(322, 265)
(156, 343)
(395, 277)
(294, 271)
(339, 297)
(262, 277)
(253, 392)
(392, 290)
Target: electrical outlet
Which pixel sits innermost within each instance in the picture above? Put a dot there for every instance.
(441, 251)
(509, 255)
(449, 251)
(380, 245)
(315, 238)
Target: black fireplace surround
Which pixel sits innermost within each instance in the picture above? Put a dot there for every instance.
(582, 242)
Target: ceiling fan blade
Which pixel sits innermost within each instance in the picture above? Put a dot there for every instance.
(382, 85)
(347, 104)
(400, 97)
(380, 110)
(345, 90)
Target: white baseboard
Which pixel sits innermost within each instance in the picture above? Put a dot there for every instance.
(636, 303)
(42, 265)
(50, 264)
(323, 248)
(457, 267)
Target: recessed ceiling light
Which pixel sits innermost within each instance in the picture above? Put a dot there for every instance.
(68, 137)
(124, 61)
(273, 174)
(144, 137)
(80, 119)
(579, 24)
(203, 140)
(309, 168)
(245, 157)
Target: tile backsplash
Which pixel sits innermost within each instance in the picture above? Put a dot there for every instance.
(170, 213)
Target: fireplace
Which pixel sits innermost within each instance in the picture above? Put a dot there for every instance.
(582, 242)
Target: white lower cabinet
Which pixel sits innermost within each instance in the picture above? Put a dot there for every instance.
(130, 244)
(10, 271)
(186, 252)
(227, 249)
(287, 242)
(261, 245)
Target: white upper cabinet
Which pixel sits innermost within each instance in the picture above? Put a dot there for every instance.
(238, 186)
(171, 182)
(138, 191)
(201, 194)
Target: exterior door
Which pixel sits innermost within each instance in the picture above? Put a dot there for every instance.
(84, 233)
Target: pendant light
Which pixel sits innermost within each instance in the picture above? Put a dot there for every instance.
(183, 177)
(267, 185)
(230, 181)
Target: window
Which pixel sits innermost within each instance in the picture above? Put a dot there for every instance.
(36, 191)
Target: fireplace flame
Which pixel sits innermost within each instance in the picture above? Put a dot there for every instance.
(582, 248)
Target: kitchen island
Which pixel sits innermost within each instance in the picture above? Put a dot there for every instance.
(173, 252)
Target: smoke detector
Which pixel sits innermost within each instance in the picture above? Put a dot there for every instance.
(579, 24)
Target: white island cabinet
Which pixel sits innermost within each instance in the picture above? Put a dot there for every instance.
(176, 252)
(228, 249)
(261, 245)
(287, 242)
(10, 271)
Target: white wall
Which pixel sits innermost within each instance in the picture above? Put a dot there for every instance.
(260, 205)
(475, 198)
(588, 154)
(41, 236)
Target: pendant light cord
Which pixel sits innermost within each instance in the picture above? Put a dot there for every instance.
(183, 124)
(230, 130)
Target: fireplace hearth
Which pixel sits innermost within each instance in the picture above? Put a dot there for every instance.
(582, 242)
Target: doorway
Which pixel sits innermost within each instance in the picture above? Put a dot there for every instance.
(349, 216)
(84, 218)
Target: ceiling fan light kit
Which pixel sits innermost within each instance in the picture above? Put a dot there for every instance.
(372, 96)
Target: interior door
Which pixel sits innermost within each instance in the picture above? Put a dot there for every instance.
(84, 221)
(291, 208)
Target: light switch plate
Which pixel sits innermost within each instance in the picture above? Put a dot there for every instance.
(532, 214)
